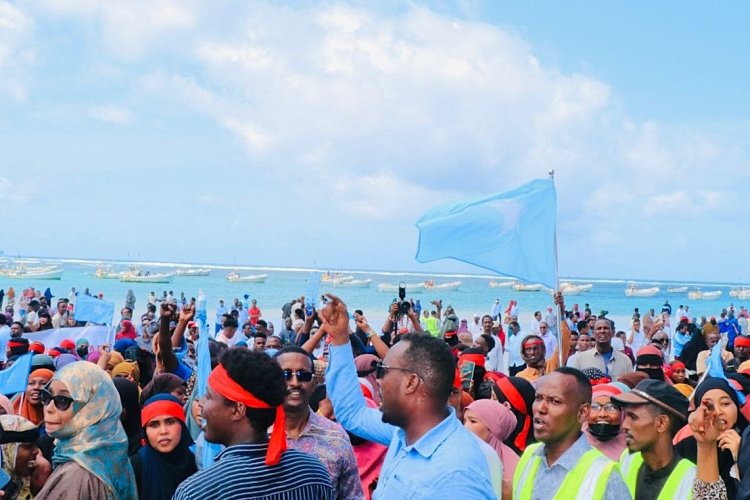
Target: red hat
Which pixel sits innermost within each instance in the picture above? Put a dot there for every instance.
(36, 347)
(68, 344)
(649, 350)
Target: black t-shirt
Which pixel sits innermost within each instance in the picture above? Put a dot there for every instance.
(649, 483)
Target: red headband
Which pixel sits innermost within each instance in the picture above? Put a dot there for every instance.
(477, 359)
(36, 347)
(163, 407)
(516, 401)
(741, 341)
(533, 341)
(678, 364)
(221, 382)
(15, 343)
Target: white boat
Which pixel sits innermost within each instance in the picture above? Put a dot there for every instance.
(699, 295)
(743, 294)
(351, 283)
(572, 289)
(501, 284)
(678, 289)
(193, 272)
(634, 291)
(128, 277)
(41, 273)
(253, 278)
(520, 287)
(106, 274)
(328, 277)
(410, 288)
(451, 286)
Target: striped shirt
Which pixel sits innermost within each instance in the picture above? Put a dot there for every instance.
(240, 472)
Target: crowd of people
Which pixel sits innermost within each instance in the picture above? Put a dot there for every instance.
(429, 405)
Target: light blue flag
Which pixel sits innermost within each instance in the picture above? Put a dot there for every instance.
(715, 368)
(511, 233)
(15, 378)
(97, 311)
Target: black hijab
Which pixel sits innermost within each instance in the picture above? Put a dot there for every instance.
(159, 474)
(131, 412)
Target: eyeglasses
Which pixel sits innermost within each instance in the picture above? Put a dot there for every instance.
(609, 408)
(62, 403)
(661, 341)
(380, 370)
(302, 376)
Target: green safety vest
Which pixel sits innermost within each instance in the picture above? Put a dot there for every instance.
(589, 476)
(678, 485)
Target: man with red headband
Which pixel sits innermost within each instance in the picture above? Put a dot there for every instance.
(741, 350)
(244, 397)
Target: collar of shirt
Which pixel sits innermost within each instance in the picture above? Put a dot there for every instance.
(245, 449)
(570, 457)
(427, 444)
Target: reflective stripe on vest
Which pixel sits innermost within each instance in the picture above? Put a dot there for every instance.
(587, 480)
(678, 485)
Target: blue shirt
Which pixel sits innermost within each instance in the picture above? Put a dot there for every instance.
(4, 338)
(445, 463)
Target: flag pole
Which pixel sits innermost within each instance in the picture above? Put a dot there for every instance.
(560, 311)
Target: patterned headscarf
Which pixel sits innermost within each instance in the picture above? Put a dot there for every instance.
(94, 437)
(10, 452)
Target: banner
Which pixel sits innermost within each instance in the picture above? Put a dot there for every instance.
(96, 335)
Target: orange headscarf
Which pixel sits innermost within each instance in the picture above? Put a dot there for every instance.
(23, 407)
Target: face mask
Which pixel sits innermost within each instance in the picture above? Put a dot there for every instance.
(82, 352)
(604, 432)
(653, 373)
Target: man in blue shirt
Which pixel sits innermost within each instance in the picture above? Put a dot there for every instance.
(430, 454)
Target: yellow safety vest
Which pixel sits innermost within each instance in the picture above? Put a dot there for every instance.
(587, 480)
(678, 485)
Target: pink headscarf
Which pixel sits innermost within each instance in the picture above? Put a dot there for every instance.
(501, 422)
(127, 330)
(6, 405)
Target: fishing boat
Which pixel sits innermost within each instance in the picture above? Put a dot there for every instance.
(678, 289)
(743, 294)
(106, 273)
(410, 288)
(328, 277)
(501, 284)
(572, 289)
(36, 273)
(521, 287)
(350, 283)
(699, 295)
(451, 286)
(634, 290)
(253, 278)
(193, 272)
(147, 277)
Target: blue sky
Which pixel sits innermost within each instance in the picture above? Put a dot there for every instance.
(317, 133)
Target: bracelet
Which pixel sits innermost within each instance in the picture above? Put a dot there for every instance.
(371, 334)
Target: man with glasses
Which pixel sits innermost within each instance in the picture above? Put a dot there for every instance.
(550, 341)
(603, 356)
(311, 433)
(429, 451)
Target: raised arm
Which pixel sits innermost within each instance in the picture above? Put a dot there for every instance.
(186, 314)
(341, 380)
(168, 359)
(380, 347)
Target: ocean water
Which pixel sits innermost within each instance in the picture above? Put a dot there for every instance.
(473, 297)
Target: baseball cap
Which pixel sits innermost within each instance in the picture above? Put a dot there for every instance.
(658, 393)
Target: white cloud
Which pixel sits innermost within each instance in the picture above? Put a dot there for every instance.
(112, 114)
(15, 54)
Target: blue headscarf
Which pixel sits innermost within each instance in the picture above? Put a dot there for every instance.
(94, 437)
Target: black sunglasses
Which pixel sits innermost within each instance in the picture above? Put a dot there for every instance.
(302, 376)
(62, 403)
(380, 370)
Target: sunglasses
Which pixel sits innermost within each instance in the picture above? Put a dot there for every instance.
(380, 370)
(302, 376)
(62, 403)
(609, 407)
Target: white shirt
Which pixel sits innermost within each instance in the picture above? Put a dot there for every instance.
(229, 342)
(495, 356)
(514, 349)
(639, 340)
(550, 343)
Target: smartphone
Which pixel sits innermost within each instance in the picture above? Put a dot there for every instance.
(9, 488)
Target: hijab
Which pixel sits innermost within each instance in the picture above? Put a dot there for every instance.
(23, 407)
(365, 364)
(10, 452)
(94, 437)
(64, 359)
(501, 422)
(6, 405)
(127, 330)
(129, 368)
(115, 358)
(131, 412)
(161, 473)
(519, 393)
(164, 383)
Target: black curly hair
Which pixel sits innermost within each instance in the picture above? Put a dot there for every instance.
(262, 377)
(433, 361)
(294, 349)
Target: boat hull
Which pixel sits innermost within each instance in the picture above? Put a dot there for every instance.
(258, 278)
